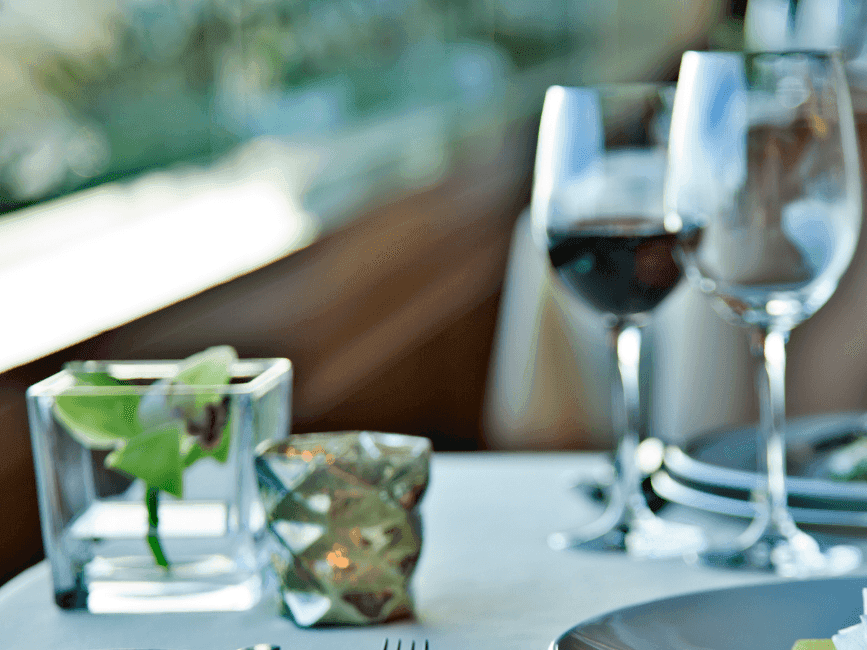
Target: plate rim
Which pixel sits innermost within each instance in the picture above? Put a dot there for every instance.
(666, 486)
(681, 463)
(858, 579)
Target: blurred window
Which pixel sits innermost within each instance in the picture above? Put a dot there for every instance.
(99, 90)
(150, 149)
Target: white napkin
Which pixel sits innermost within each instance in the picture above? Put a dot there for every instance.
(855, 636)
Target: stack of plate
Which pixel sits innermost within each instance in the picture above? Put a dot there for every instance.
(716, 471)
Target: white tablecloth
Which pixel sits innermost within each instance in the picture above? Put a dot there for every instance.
(486, 579)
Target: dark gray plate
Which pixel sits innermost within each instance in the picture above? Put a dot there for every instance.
(670, 489)
(758, 617)
(724, 462)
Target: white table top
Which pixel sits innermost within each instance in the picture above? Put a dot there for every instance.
(486, 579)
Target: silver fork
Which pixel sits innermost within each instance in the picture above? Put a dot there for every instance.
(411, 647)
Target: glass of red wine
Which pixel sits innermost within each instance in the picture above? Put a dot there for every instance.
(764, 187)
(597, 212)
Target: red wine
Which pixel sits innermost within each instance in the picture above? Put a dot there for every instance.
(622, 265)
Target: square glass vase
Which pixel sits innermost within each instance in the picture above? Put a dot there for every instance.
(98, 531)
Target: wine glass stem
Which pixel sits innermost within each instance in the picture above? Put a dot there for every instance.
(769, 346)
(626, 412)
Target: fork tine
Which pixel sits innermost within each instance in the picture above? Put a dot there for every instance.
(411, 647)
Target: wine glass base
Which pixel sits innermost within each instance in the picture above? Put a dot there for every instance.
(653, 539)
(798, 556)
(613, 540)
(638, 533)
(598, 489)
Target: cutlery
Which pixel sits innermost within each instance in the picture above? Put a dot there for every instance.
(411, 647)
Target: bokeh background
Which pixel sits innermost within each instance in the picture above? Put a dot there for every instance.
(399, 133)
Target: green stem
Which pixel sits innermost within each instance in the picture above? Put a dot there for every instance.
(152, 500)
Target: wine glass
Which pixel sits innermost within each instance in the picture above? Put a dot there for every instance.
(764, 188)
(597, 213)
(808, 24)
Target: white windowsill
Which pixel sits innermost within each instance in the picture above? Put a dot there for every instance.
(81, 265)
(78, 266)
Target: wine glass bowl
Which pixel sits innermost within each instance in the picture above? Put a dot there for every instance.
(788, 216)
(763, 187)
(598, 213)
(622, 265)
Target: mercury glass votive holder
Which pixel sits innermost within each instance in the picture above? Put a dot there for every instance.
(96, 520)
(346, 532)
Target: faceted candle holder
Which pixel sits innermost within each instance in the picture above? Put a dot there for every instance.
(342, 509)
(94, 518)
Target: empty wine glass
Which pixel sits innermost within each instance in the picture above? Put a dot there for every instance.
(764, 188)
(597, 213)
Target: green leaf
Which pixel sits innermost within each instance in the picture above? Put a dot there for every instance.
(154, 457)
(220, 453)
(99, 421)
(149, 434)
(194, 453)
(171, 398)
(211, 367)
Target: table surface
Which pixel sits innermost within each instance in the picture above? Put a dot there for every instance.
(486, 579)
